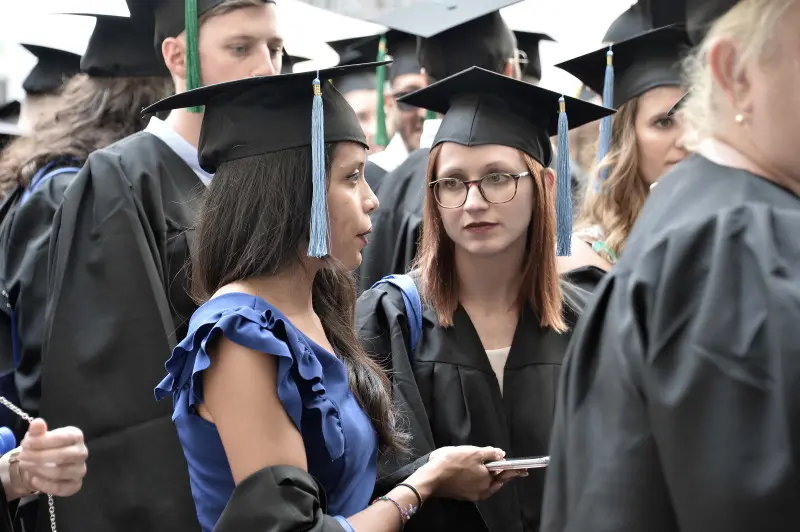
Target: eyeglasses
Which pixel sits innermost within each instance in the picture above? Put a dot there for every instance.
(451, 193)
(524, 62)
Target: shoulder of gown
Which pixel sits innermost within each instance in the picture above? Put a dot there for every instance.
(679, 405)
(253, 323)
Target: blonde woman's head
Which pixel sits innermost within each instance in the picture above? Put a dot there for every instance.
(645, 143)
(745, 76)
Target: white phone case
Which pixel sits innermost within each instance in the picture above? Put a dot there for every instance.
(519, 463)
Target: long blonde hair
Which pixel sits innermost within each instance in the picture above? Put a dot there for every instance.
(615, 203)
(540, 286)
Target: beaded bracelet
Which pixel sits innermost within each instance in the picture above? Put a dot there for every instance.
(405, 514)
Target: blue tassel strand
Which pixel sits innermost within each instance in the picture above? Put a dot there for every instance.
(608, 101)
(318, 242)
(563, 186)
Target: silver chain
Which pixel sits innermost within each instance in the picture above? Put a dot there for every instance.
(14, 408)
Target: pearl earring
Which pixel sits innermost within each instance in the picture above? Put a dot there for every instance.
(739, 118)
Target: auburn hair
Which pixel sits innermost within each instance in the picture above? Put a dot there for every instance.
(539, 285)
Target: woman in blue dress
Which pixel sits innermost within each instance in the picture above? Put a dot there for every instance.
(273, 394)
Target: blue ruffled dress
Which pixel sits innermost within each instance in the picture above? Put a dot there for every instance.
(340, 442)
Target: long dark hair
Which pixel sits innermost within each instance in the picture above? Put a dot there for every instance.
(92, 113)
(253, 223)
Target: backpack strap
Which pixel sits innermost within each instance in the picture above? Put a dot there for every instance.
(413, 304)
(43, 175)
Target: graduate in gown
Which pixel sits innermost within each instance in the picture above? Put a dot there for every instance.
(120, 75)
(450, 41)
(271, 373)
(496, 317)
(117, 295)
(679, 406)
(642, 143)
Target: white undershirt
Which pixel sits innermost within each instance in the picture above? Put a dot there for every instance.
(497, 359)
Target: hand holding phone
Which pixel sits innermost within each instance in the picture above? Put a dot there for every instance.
(518, 463)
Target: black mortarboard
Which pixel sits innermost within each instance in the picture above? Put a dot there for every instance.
(456, 34)
(52, 69)
(641, 63)
(303, 111)
(482, 107)
(354, 52)
(290, 60)
(701, 14)
(632, 22)
(529, 43)
(123, 46)
(401, 48)
(9, 117)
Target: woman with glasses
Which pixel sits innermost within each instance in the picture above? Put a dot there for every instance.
(495, 317)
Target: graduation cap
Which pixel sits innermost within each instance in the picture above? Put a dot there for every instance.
(173, 17)
(398, 46)
(9, 118)
(528, 43)
(303, 112)
(701, 14)
(456, 34)
(123, 46)
(630, 68)
(632, 22)
(482, 107)
(290, 60)
(52, 69)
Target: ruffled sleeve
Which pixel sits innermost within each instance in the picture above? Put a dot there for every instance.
(301, 383)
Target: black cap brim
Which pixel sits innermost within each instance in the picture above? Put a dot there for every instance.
(641, 63)
(205, 95)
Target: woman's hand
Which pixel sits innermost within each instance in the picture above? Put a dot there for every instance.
(53, 461)
(460, 472)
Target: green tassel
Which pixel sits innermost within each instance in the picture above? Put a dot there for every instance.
(430, 115)
(193, 80)
(381, 135)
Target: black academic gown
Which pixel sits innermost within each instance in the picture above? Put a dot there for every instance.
(452, 397)
(374, 175)
(679, 407)
(117, 303)
(277, 499)
(24, 243)
(586, 277)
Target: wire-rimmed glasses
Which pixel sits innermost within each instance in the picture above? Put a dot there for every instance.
(451, 193)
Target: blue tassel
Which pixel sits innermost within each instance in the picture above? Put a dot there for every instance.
(563, 186)
(608, 101)
(318, 242)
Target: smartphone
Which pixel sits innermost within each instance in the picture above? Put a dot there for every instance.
(519, 463)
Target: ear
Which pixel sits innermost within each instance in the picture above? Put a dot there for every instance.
(723, 57)
(549, 177)
(388, 103)
(173, 49)
(512, 69)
